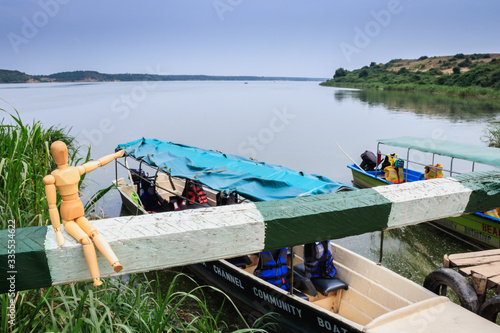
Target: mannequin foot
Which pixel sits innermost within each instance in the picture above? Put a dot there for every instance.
(117, 267)
(97, 282)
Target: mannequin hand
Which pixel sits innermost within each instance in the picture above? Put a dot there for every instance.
(120, 153)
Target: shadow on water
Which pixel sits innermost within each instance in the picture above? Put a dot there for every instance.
(453, 108)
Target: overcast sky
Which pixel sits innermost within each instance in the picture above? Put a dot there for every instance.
(238, 37)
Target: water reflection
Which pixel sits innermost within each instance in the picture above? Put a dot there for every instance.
(453, 108)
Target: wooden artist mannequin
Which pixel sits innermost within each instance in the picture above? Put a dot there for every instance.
(65, 179)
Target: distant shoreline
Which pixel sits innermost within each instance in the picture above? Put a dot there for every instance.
(12, 76)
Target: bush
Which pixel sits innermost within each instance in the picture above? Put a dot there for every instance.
(394, 60)
(456, 70)
(339, 73)
(459, 56)
(465, 63)
(363, 73)
(435, 71)
(423, 58)
(493, 135)
(403, 70)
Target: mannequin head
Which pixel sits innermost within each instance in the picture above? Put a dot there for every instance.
(59, 152)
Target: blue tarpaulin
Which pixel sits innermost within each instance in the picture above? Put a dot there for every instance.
(257, 181)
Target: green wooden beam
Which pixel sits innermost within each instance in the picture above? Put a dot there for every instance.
(151, 242)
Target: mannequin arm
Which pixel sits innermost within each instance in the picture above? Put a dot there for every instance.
(51, 193)
(92, 165)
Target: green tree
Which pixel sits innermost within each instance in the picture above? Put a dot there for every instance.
(363, 73)
(339, 73)
(403, 70)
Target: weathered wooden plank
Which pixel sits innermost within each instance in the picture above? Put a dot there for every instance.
(487, 270)
(495, 279)
(456, 256)
(142, 243)
(472, 261)
(157, 241)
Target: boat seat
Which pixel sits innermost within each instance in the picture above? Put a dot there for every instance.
(323, 285)
(303, 284)
(300, 295)
(240, 262)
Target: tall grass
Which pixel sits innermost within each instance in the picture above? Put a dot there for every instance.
(116, 307)
(24, 160)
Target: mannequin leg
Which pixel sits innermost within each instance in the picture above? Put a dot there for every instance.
(88, 249)
(100, 243)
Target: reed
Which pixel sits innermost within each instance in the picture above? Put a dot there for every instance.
(117, 307)
(24, 160)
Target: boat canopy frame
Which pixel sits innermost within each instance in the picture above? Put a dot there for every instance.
(472, 153)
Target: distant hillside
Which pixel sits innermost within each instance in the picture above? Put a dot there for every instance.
(445, 64)
(8, 76)
(473, 74)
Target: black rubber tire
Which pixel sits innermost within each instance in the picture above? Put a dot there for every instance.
(490, 309)
(442, 278)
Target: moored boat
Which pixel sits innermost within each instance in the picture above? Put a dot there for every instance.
(480, 227)
(365, 298)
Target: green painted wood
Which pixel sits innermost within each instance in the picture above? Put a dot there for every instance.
(29, 269)
(287, 222)
(329, 216)
(485, 188)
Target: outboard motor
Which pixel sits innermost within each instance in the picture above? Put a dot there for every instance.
(369, 161)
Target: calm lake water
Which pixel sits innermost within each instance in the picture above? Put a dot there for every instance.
(294, 124)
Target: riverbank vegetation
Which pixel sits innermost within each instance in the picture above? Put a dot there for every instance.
(475, 75)
(141, 304)
(10, 76)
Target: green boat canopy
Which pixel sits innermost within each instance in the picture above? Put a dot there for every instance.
(479, 154)
(257, 181)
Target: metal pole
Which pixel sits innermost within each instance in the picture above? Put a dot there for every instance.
(291, 264)
(381, 247)
(407, 163)
(378, 149)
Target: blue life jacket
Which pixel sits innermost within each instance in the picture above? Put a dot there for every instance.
(318, 260)
(273, 270)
